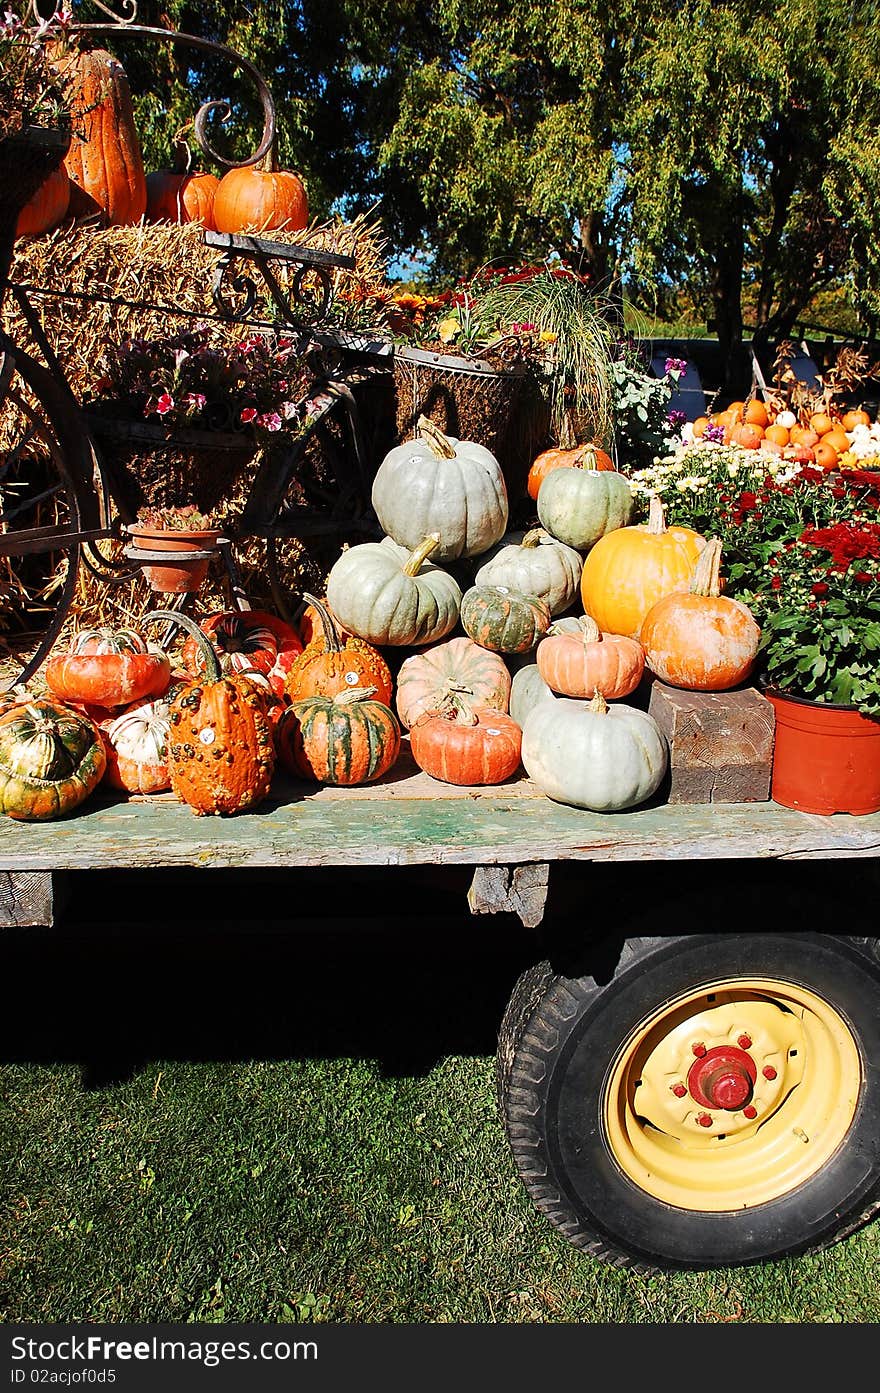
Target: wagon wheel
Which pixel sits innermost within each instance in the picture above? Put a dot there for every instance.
(713, 1101)
(45, 498)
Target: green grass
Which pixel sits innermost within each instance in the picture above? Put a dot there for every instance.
(191, 1133)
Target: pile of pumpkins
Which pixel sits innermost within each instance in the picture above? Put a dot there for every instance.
(494, 668)
(811, 437)
(103, 176)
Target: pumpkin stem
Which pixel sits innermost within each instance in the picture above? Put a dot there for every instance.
(656, 524)
(534, 537)
(707, 572)
(332, 641)
(182, 150)
(352, 694)
(434, 438)
(455, 706)
(589, 629)
(206, 648)
(586, 458)
(599, 704)
(421, 554)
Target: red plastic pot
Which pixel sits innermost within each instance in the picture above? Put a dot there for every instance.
(826, 759)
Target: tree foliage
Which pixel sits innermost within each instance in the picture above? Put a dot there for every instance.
(723, 145)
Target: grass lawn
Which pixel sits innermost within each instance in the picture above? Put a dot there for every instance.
(224, 1120)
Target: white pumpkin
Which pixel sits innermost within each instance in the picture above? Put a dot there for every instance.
(437, 484)
(592, 755)
(536, 564)
(387, 594)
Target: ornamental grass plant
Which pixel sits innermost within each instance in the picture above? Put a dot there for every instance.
(800, 547)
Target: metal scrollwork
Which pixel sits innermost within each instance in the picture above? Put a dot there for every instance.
(240, 303)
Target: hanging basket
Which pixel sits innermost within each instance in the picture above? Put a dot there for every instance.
(158, 468)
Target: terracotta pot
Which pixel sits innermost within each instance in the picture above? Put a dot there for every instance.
(826, 759)
(191, 557)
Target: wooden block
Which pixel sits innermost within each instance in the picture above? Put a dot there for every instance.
(518, 890)
(26, 899)
(720, 743)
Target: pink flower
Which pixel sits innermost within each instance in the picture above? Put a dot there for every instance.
(248, 414)
(270, 420)
(197, 399)
(165, 404)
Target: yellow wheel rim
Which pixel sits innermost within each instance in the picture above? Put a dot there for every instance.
(733, 1095)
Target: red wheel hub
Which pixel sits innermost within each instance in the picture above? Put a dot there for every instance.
(722, 1078)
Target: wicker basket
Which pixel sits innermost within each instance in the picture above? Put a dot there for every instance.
(469, 399)
(156, 468)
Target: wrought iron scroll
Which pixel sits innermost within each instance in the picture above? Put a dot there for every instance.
(125, 24)
(310, 289)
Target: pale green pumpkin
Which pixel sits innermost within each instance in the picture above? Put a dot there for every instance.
(536, 564)
(438, 484)
(389, 595)
(527, 689)
(578, 506)
(504, 620)
(592, 755)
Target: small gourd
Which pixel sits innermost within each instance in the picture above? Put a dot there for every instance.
(136, 743)
(51, 758)
(592, 755)
(248, 639)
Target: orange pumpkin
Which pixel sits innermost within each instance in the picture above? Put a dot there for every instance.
(466, 745)
(854, 418)
(701, 640)
(821, 422)
(777, 434)
(837, 438)
(576, 660)
(826, 456)
(581, 457)
(106, 164)
(47, 207)
(181, 198)
(756, 413)
(260, 200)
(336, 662)
(630, 569)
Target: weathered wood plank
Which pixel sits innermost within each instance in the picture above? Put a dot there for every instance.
(518, 890)
(26, 898)
(720, 743)
(500, 829)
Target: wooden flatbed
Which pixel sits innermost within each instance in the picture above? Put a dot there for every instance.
(509, 833)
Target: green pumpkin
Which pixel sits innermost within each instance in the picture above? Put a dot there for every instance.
(503, 620)
(437, 484)
(527, 689)
(51, 758)
(388, 595)
(537, 564)
(578, 506)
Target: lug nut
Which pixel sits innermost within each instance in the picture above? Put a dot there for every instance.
(704, 1120)
(679, 1090)
(750, 1112)
(768, 1071)
(699, 1050)
(744, 1042)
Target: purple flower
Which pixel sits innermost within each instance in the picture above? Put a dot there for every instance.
(675, 367)
(676, 419)
(715, 433)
